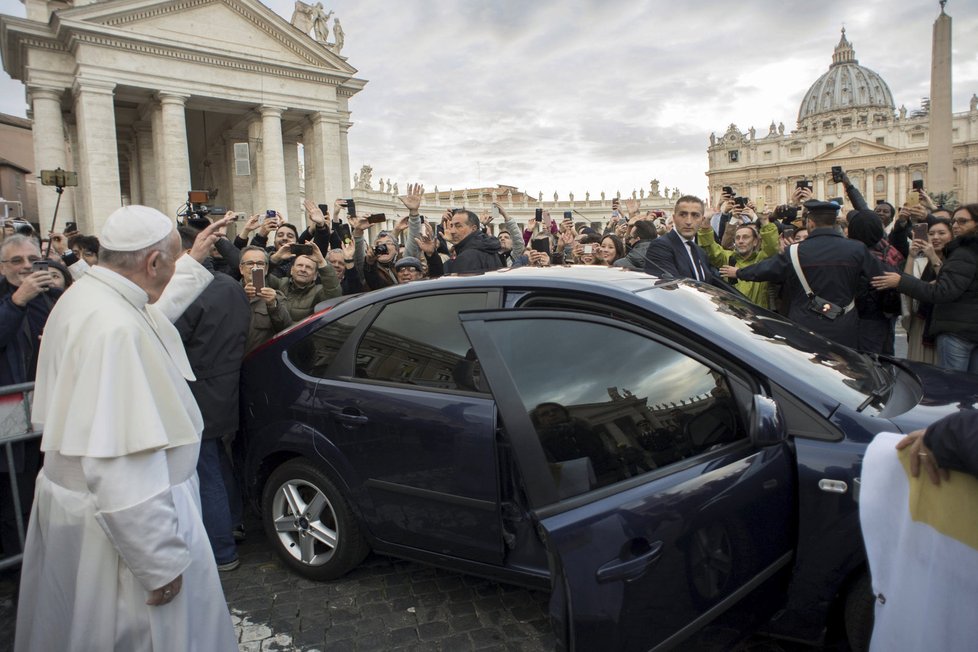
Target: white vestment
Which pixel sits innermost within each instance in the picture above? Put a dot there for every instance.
(117, 509)
(922, 547)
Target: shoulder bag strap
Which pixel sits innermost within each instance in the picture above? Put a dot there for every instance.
(793, 252)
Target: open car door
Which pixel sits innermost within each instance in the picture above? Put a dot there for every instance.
(659, 511)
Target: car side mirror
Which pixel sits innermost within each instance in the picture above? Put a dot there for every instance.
(767, 427)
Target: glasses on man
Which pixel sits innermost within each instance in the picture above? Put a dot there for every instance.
(254, 263)
(962, 220)
(20, 260)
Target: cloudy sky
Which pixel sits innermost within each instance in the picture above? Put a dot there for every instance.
(603, 94)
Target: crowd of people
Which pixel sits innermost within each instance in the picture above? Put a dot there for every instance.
(848, 276)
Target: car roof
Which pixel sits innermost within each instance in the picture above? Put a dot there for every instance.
(573, 276)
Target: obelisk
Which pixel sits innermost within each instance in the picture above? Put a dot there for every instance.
(940, 172)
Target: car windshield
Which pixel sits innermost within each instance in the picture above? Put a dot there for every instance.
(851, 378)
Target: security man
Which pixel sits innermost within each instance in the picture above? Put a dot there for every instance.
(835, 268)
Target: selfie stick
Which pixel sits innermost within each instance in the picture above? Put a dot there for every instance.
(59, 179)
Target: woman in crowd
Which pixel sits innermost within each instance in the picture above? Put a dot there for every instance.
(926, 258)
(611, 249)
(954, 293)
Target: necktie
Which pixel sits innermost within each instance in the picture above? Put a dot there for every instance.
(697, 269)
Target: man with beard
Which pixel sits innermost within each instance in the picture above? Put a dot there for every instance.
(749, 247)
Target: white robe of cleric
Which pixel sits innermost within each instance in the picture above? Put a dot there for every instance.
(117, 508)
(922, 545)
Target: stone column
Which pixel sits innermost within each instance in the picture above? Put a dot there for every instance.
(148, 191)
(902, 174)
(256, 156)
(272, 167)
(971, 190)
(293, 197)
(820, 186)
(324, 172)
(345, 184)
(940, 170)
(891, 185)
(172, 156)
(783, 193)
(99, 182)
(49, 151)
(135, 190)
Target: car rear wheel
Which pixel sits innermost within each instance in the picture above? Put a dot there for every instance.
(310, 523)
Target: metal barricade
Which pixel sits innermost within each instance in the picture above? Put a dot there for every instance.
(15, 426)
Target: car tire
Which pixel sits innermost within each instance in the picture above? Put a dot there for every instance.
(859, 613)
(310, 523)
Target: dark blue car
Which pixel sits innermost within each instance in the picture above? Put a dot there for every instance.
(672, 462)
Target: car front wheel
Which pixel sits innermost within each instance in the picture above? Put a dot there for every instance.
(310, 523)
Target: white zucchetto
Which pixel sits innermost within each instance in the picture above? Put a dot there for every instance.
(132, 228)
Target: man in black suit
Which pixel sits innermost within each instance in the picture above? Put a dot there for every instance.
(676, 254)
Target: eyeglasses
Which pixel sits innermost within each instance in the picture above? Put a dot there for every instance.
(20, 260)
(254, 263)
(962, 220)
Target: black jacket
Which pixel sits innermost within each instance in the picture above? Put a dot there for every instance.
(214, 330)
(477, 252)
(837, 269)
(667, 257)
(953, 441)
(955, 293)
(20, 332)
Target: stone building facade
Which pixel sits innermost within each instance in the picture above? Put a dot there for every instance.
(148, 99)
(847, 118)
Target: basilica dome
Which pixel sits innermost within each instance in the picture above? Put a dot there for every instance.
(846, 86)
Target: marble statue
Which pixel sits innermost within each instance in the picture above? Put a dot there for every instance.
(753, 132)
(641, 193)
(396, 191)
(602, 195)
(509, 196)
(634, 194)
(555, 196)
(380, 185)
(451, 197)
(587, 195)
(356, 180)
(655, 188)
(389, 186)
(618, 194)
(494, 196)
(773, 129)
(338, 35)
(364, 178)
(781, 129)
(303, 17)
(571, 196)
(974, 102)
(713, 138)
(903, 112)
(540, 196)
(320, 23)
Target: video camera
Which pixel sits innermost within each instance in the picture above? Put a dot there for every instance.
(197, 211)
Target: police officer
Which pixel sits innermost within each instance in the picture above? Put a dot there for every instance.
(836, 269)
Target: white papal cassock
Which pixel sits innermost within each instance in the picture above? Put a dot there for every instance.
(117, 510)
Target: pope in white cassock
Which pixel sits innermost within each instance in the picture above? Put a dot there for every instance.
(116, 555)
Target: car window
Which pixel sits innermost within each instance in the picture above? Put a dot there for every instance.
(314, 353)
(420, 342)
(608, 404)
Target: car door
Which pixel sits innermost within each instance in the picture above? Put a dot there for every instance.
(417, 433)
(657, 511)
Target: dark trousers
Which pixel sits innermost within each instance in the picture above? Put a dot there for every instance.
(220, 500)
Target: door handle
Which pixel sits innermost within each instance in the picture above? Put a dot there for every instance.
(628, 570)
(351, 416)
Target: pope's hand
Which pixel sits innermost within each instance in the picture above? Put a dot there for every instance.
(207, 238)
(165, 593)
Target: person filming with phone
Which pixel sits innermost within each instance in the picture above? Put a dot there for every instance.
(27, 294)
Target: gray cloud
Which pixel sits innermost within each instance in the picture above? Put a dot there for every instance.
(598, 95)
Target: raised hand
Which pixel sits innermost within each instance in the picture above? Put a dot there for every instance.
(313, 213)
(412, 200)
(207, 238)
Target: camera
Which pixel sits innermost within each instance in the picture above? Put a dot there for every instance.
(803, 183)
(197, 211)
(538, 215)
(837, 175)
(741, 202)
(351, 207)
(380, 250)
(301, 249)
(728, 190)
(588, 249)
(918, 184)
(568, 215)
